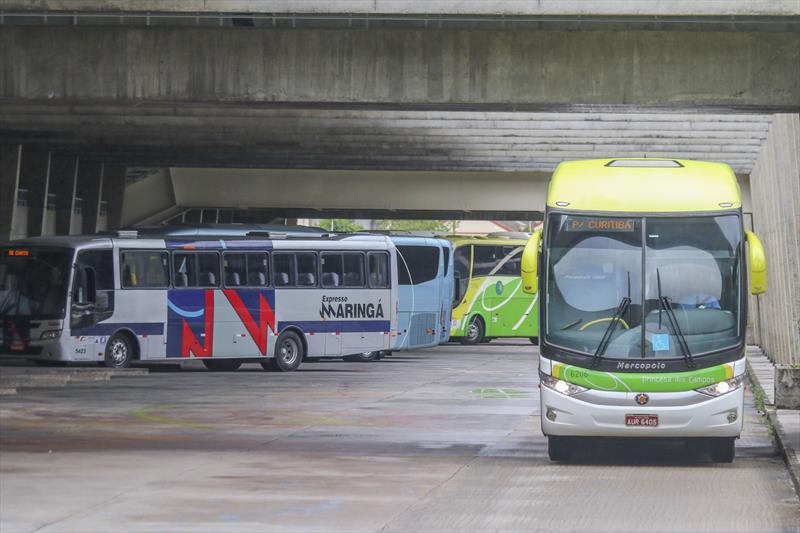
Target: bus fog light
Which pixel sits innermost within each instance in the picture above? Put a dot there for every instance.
(723, 387)
(551, 414)
(732, 416)
(51, 334)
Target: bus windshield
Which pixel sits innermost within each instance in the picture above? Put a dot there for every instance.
(33, 281)
(681, 275)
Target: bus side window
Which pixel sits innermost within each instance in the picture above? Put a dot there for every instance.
(446, 251)
(332, 270)
(235, 270)
(144, 269)
(306, 269)
(283, 266)
(485, 258)
(257, 270)
(378, 264)
(461, 271)
(208, 269)
(353, 270)
(184, 269)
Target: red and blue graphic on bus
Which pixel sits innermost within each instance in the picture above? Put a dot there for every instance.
(190, 326)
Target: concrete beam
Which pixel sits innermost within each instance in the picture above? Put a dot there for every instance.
(114, 195)
(35, 177)
(409, 7)
(182, 65)
(90, 189)
(10, 160)
(63, 183)
(360, 190)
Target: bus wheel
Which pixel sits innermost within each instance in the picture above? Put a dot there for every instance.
(475, 332)
(534, 341)
(365, 357)
(723, 450)
(559, 448)
(119, 352)
(222, 365)
(288, 352)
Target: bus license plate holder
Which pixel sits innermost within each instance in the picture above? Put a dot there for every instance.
(641, 420)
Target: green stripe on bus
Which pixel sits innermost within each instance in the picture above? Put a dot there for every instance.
(643, 382)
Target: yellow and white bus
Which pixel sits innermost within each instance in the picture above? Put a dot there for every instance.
(640, 271)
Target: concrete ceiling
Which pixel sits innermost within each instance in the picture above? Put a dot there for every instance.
(259, 136)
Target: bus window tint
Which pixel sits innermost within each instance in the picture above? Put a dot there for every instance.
(306, 270)
(378, 270)
(353, 270)
(485, 258)
(461, 261)
(208, 270)
(332, 270)
(509, 260)
(184, 270)
(421, 264)
(144, 270)
(257, 270)
(102, 263)
(235, 270)
(283, 266)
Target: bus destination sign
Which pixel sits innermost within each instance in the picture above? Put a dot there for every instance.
(19, 253)
(591, 224)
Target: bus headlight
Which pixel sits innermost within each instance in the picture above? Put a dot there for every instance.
(50, 334)
(559, 385)
(723, 387)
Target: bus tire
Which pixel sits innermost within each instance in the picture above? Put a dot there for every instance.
(365, 357)
(119, 351)
(559, 448)
(723, 450)
(475, 332)
(288, 352)
(222, 365)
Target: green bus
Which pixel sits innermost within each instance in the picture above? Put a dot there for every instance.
(642, 280)
(489, 301)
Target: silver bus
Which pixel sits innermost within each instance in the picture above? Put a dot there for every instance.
(270, 298)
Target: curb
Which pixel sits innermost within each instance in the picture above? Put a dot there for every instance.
(784, 445)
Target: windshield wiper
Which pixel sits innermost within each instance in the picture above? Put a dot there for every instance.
(623, 306)
(665, 305)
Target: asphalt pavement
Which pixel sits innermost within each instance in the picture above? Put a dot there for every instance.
(438, 440)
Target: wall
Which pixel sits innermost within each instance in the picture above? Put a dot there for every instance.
(400, 66)
(775, 190)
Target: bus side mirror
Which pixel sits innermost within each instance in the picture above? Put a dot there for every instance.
(457, 287)
(758, 264)
(530, 263)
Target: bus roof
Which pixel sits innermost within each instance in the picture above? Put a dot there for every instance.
(461, 240)
(644, 185)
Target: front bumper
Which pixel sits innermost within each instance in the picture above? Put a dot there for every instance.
(680, 414)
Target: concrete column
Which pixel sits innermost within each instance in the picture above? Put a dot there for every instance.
(775, 188)
(35, 177)
(90, 189)
(63, 181)
(10, 157)
(114, 194)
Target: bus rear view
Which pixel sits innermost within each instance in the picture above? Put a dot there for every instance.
(643, 303)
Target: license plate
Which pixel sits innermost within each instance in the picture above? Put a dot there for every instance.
(641, 420)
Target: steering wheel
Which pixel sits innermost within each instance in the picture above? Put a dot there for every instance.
(603, 320)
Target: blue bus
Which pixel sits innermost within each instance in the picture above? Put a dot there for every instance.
(425, 294)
